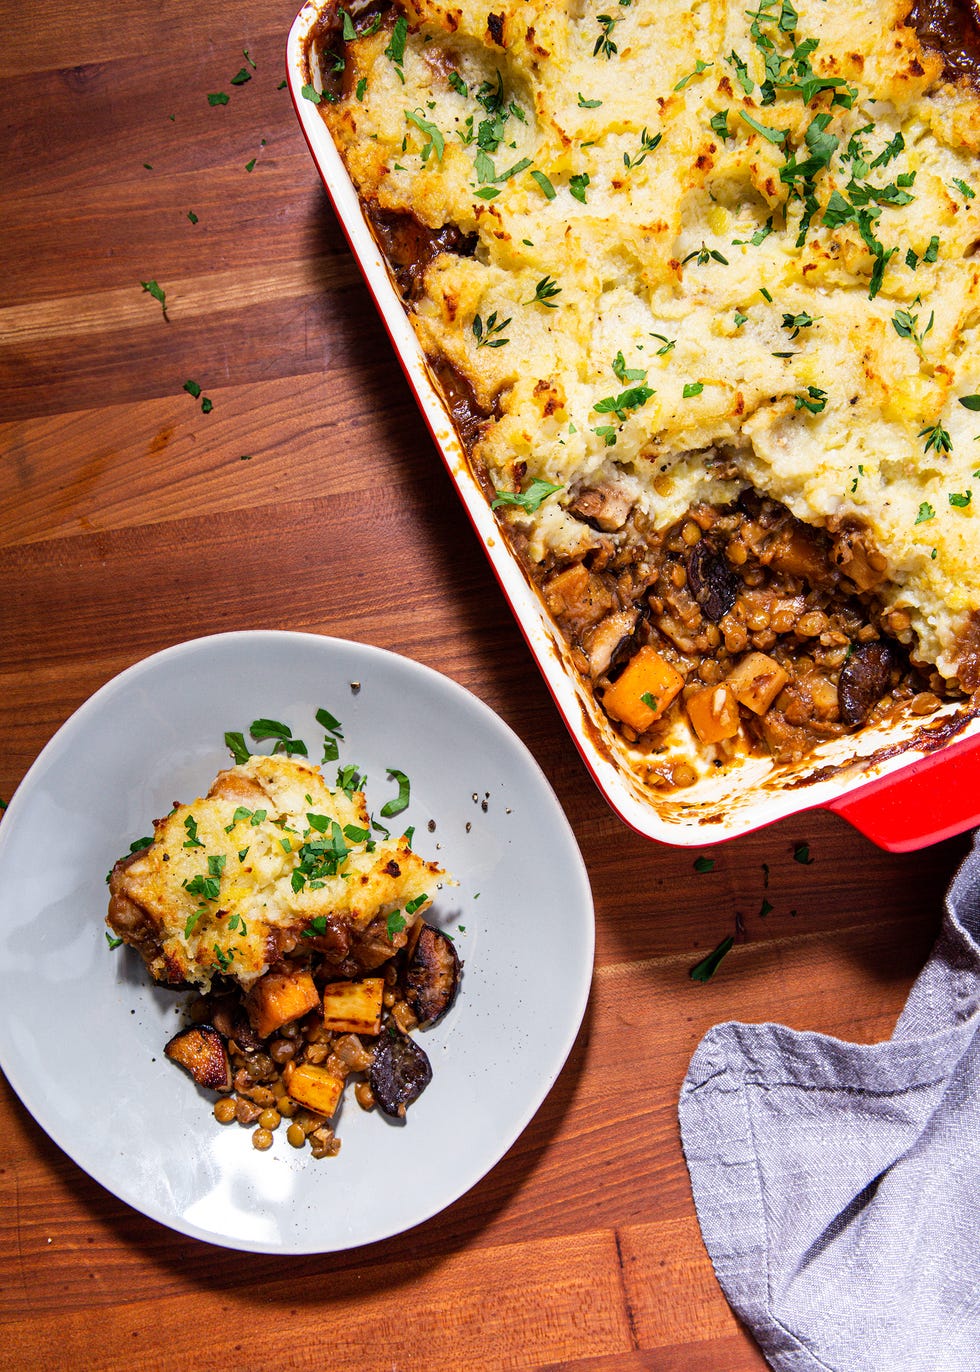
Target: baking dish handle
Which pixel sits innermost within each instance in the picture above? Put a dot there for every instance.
(935, 798)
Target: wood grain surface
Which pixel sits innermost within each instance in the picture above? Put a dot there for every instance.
(310, 498)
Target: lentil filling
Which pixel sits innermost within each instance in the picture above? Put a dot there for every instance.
(769, 628)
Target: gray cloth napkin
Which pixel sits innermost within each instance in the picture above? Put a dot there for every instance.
(837, 1185)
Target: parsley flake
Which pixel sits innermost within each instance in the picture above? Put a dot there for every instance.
(707, 967)
(156, 290)
(699, 67)
(577, 186)
(400, 802)
(529, 501)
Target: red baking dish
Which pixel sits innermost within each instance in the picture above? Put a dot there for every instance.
(906, 785)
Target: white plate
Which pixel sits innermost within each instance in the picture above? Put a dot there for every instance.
(82, 1031)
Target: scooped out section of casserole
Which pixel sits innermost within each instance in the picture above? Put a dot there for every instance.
(701, 286)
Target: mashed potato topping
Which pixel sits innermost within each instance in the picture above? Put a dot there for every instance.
(269, 863)
(703, 247)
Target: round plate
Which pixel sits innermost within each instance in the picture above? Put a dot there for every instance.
(83, 1030)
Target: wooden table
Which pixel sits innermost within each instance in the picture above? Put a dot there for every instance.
(130, 520)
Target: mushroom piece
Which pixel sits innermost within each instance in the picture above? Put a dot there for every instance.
(431, 977)
(201, 1051)
(604, 507)
(604, 641)
(863, 680)
(400, 1072)
(711, 581)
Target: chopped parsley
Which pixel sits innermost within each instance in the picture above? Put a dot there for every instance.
(435, 142)
(699, 67)
(814, 400)
(396, 922)
(112, 942)
(620, 405)
(400, 802)
(333, 731)
(926, 512)
(156, 290)
(577, 185)
(224, 959)
(624, 373)
(395, 51)
(758, 237)
(241, 76)
(588, 104)
(528, 500)
(772, 135)
(960, 499)
(308, 93)
(707, 967)
(704, 864)
(964, 188)
(261, 729)
(693, 388)
(221, 98)
(547, 189)
(801, 854)
(719, 123)
(192, 840)
(236, 744)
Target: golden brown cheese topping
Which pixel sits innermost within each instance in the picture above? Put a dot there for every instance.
(689, 251)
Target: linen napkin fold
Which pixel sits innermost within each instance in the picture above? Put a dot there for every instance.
(837, 1185)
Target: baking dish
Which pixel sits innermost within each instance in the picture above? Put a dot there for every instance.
(904, 784)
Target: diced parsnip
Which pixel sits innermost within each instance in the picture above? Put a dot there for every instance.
(353, 1007)
(279, 997)
(313, 1086)
(643, 692)
(713, 713)
(756, 681)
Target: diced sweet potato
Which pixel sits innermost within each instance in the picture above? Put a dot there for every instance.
(201, 1051)
(279, 997)
(644, 691)
(313, 1086)
(801, 553)
(353, 1007)
(756, 681)
(713, 713)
